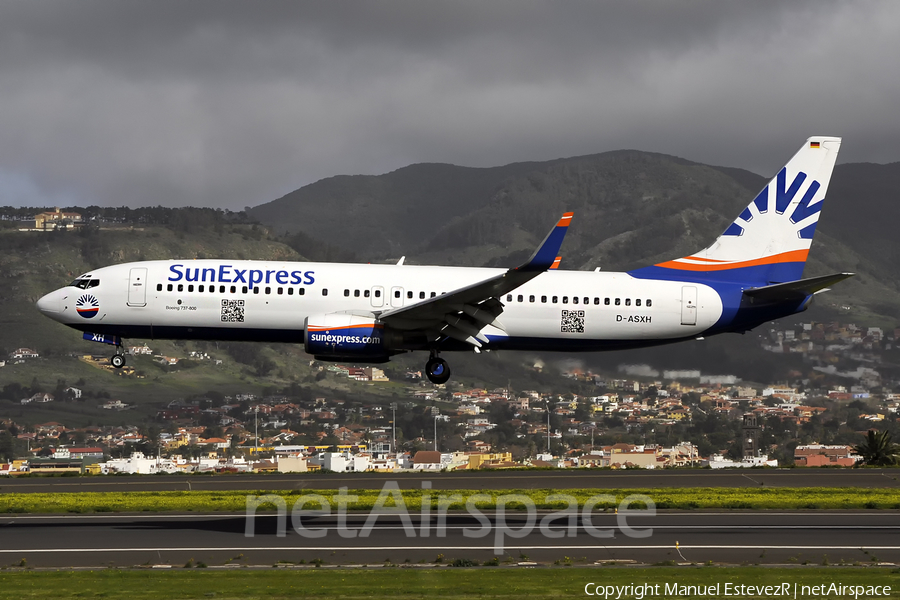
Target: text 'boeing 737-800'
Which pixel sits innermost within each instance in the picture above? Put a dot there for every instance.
(368, 313)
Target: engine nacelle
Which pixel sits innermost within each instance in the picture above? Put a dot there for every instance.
(337, 336)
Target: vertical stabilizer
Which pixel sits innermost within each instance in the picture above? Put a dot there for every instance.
(770, 240)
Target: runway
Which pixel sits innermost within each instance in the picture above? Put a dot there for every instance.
(798, 537)
(510, 479)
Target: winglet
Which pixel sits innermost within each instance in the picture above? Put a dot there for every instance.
(555, 264)
(547, 254)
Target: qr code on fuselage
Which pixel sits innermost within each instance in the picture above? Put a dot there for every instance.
(232, 311)
(572, 321)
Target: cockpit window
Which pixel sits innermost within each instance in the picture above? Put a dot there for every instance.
(84, 284)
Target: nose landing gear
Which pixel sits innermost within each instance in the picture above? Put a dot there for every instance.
(437, 370)
(117, 360)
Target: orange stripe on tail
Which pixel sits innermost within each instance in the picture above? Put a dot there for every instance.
(784, 257)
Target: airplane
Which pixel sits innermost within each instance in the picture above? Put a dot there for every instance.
(366, 313)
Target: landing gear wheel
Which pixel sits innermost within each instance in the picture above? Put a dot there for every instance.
(117, 360)
(437, 370)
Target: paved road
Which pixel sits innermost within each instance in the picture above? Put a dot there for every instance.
(737, 478)
(722, 537)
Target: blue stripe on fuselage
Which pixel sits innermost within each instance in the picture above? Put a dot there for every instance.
(738, 313)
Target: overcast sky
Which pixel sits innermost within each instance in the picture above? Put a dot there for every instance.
(236, 104)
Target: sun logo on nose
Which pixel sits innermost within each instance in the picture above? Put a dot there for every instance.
(87, 306)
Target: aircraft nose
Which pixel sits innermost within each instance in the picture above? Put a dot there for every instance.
(50, 304)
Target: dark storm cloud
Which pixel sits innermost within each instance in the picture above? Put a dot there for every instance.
(233, 104)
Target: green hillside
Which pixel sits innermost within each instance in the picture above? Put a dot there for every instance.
(33, 263)
(631, 209)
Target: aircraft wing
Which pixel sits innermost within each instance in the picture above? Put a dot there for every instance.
(796, 289)
(463, 313)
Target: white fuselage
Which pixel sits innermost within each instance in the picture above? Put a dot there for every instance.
(184, 299)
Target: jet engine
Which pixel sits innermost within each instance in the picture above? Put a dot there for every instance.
(339, 336)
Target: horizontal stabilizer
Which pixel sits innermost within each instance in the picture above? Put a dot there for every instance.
(796, 289)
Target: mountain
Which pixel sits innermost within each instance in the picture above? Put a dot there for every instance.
(631, 209)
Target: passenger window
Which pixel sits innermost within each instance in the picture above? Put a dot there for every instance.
(301, 291)
(356, 293)
(396, 293)
(565, 299)
(378, 293)
(280, 291)
(509, 297)
(422, 295)
(555, 299)
(346, 293)
(596, 300)
(637, 302)
(291, 291)
(201, 288)
(221, 289)
(434, 294)
(256, 290)
(243, 289)
(520, 298)
(574, 299)
(325, 292)
(180, 288)
(544, 299)
(618, 301)
(234, 289)
(409, 295)
(365, 293)
(606, 301)
(649, 303)
(158, 287)
(191, 287)
(531, 298)
(627, 301)
(587, 300)
(268, 290)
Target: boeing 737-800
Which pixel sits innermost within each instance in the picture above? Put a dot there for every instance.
(368, 313)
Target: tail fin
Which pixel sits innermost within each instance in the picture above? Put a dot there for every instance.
(769, 242)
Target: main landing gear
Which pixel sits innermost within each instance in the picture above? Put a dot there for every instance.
(436, 369)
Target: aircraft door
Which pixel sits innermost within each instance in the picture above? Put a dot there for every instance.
(688, 305)
(396, 299)
(377, 296)
(137, 287)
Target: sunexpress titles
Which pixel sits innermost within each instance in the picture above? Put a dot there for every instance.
(232, 274)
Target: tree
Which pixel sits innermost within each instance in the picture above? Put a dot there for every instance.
(7, 445)
(878, 449)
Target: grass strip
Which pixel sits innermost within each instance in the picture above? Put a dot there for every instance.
(236, 501)
(443, 583)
